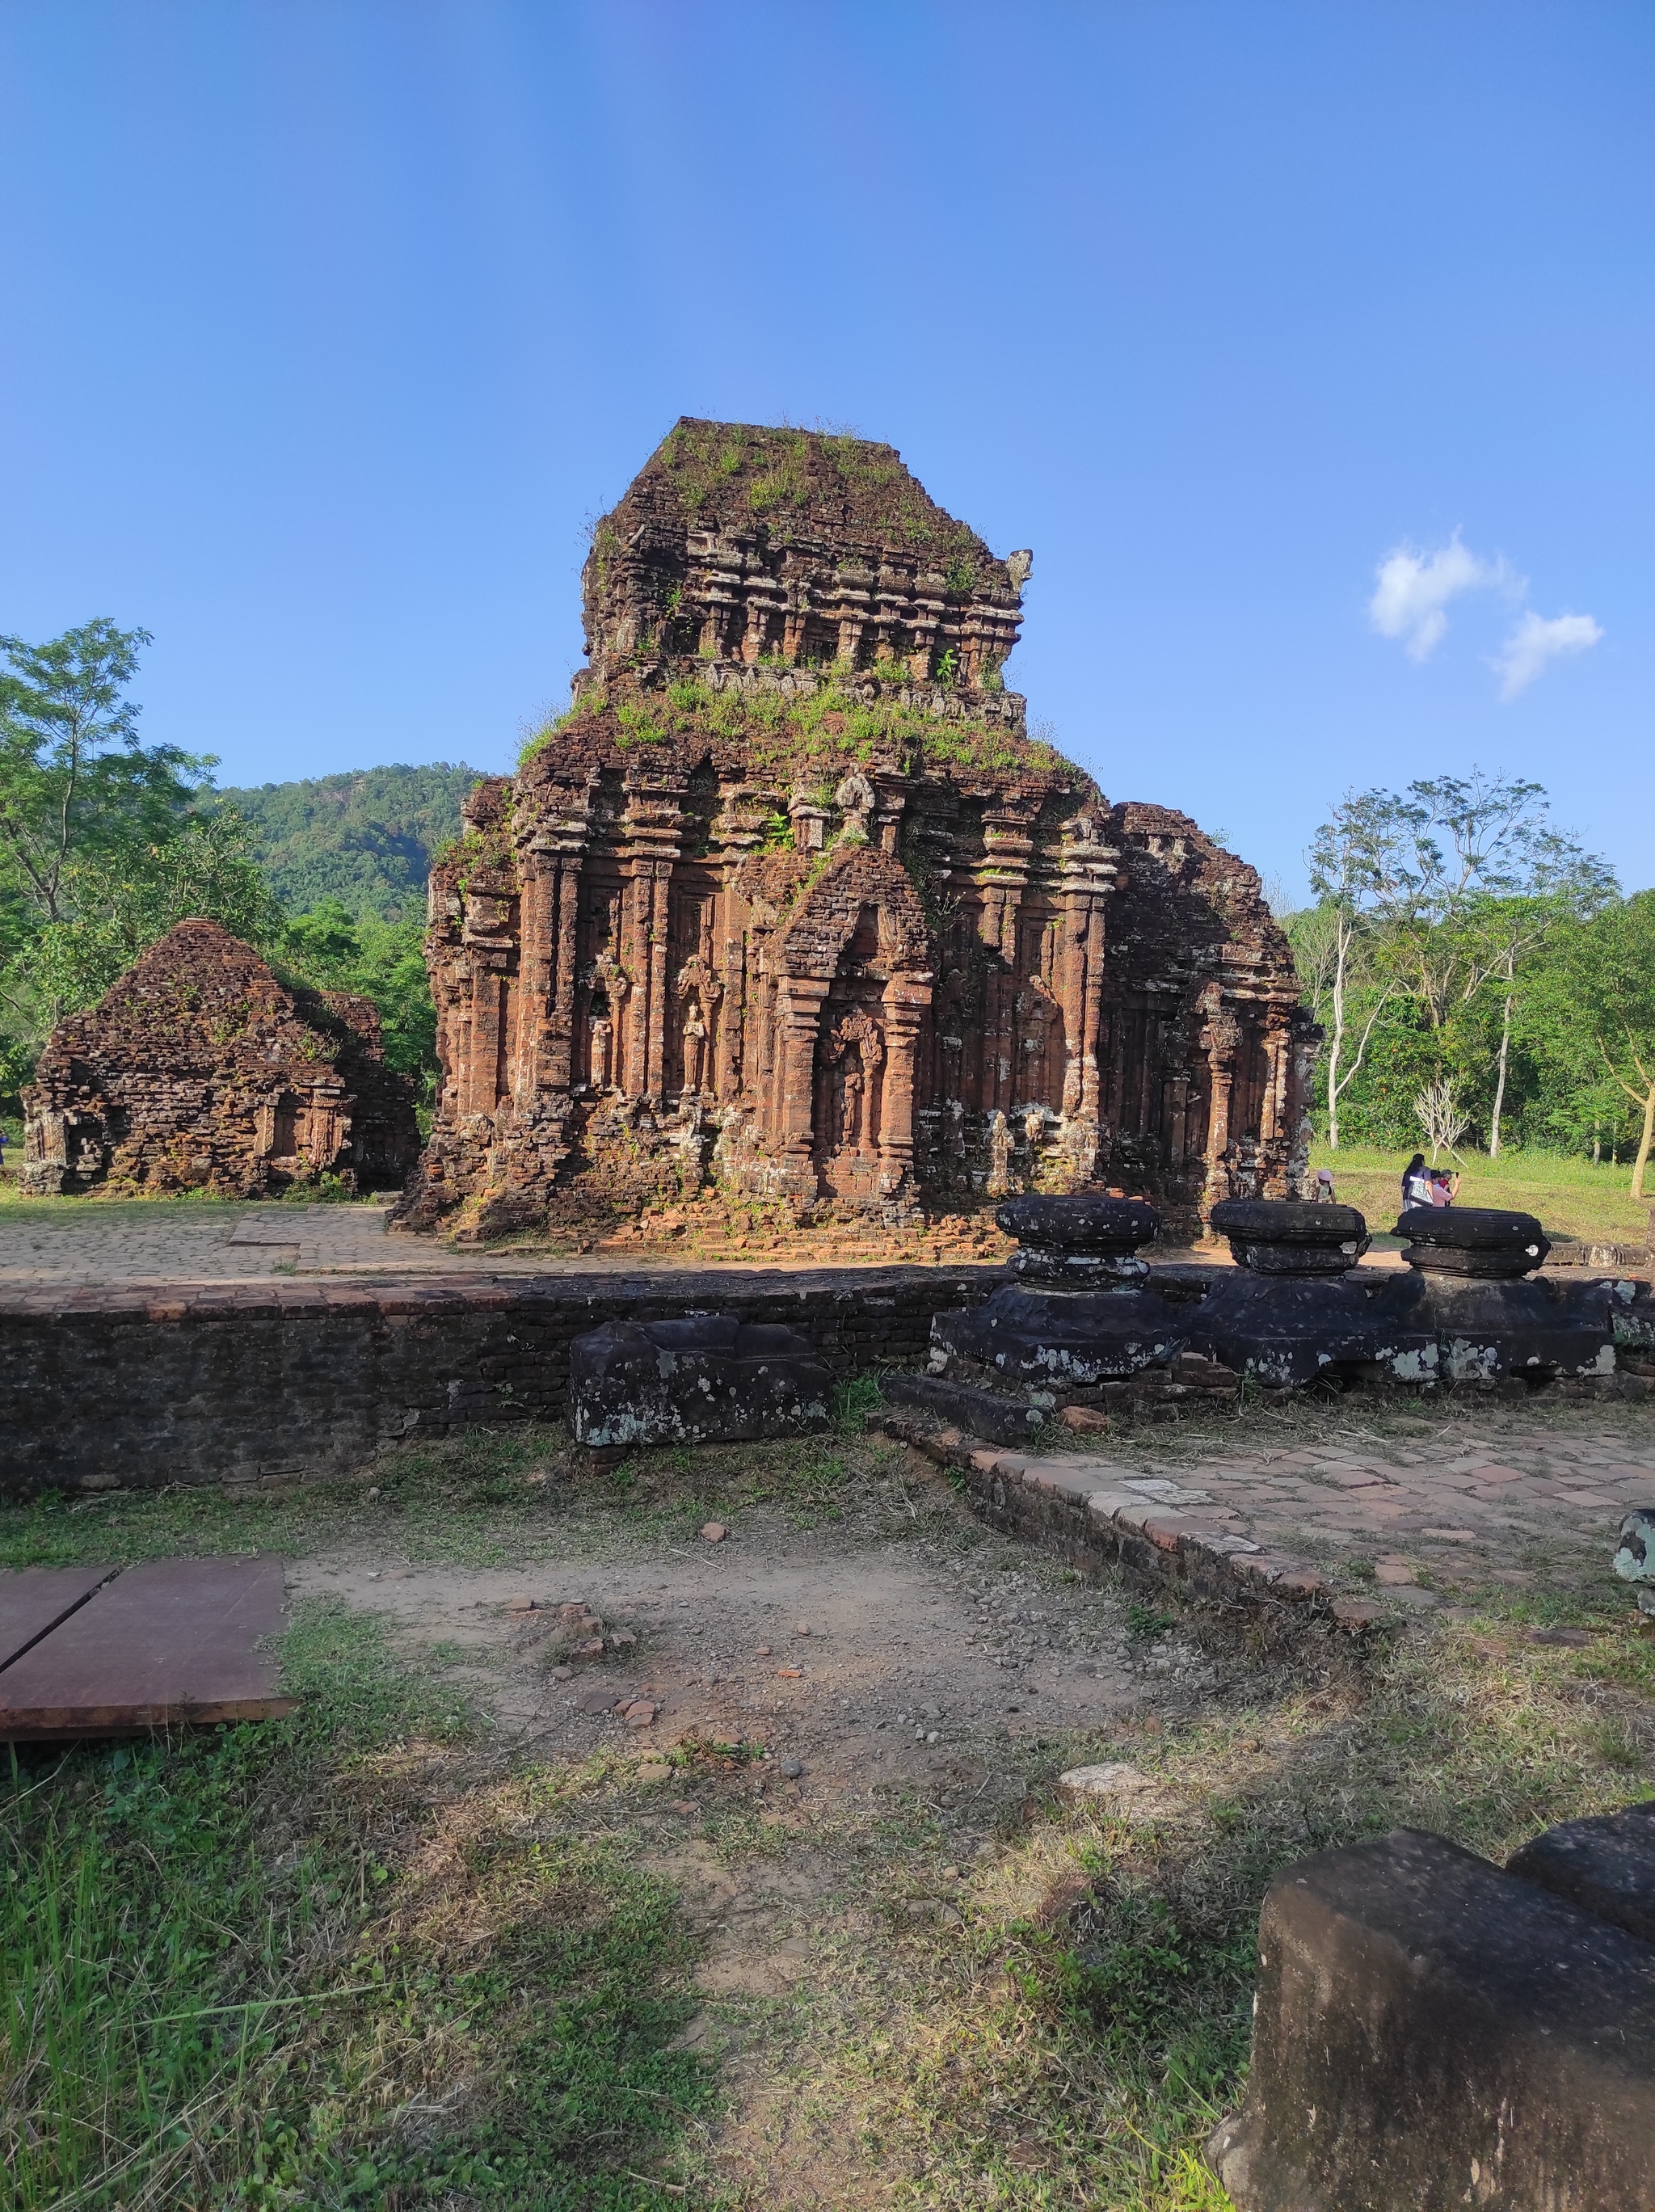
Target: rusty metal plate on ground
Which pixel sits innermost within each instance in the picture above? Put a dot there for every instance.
(171, 1642)
(34, 1598)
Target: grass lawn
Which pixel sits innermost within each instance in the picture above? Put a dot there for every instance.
(365, 1958)
(1570, 1195)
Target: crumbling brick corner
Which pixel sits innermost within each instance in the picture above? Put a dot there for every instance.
(200, 1070)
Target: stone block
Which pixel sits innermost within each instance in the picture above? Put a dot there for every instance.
(1002, 1420)
(1605, 1866)
(707, 1379)
(1432, 2033)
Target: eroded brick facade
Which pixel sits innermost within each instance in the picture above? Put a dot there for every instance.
(199, 1070)
(789, 901)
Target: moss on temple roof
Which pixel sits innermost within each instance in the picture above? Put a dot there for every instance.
(736, 474)
(767, 733)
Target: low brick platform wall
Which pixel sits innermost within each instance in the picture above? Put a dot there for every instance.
(142, 1387)
(1095, 1513)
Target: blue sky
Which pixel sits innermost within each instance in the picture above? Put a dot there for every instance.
(328, 325)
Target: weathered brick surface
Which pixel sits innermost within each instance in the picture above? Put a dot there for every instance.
(791, 902)
(195, 1383)
(198, 1070)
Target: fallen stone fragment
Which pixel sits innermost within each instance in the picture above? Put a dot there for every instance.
(654, 1771)
(791, 1673)
(707, 1378)
(792, 1768)
(1606, 1866)
(1430, 2032)
(1575, 1638)
(640, 1714)
(1111, 1782)
(714, 1531)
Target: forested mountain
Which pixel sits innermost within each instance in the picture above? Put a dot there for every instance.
(364, 838)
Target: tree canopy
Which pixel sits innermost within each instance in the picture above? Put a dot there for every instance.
(1465, 951)
(105, 842)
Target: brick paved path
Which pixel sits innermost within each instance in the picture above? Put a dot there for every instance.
(96, 1241)
(1415, 1525)
(1461, 1512)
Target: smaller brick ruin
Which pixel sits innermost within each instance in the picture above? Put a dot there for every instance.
(200, 1070)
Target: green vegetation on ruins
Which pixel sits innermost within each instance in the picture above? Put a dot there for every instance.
(824, 731)
(782, 474)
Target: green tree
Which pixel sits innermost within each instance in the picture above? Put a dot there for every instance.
(333, 949)
(1595, 1008)
(120, 902)
(75, 782)
(102, 849)
(1357, 870)
(1429, 898)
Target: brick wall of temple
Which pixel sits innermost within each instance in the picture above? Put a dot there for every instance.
(240, 1382)
(789, 901)
(200, 1070)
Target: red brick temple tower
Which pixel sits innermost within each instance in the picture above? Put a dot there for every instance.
(789, 901)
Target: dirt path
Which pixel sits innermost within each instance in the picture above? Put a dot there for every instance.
(910, 1674)
(864, 1666)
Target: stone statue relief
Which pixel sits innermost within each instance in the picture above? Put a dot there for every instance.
(699, 992)
(608, 984)
(601, 1050)
(855, 1054)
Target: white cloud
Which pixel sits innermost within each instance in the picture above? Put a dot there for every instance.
(1414, 588)
(1534, 642)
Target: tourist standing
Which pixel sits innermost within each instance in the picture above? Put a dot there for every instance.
(1415, 1183)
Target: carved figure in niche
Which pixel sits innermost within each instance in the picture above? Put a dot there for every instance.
(855, 799)
(1034, 1125)
(1036, 1012)
(601, 1047)
(694, 1042)
(700, 990)
(856, 1052)
(849, 1103)
(1002, 1148)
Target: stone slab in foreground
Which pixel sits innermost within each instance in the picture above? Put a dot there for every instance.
(169, 1643)
(1431, 2032)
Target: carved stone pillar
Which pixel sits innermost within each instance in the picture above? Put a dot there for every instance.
(651, 830)
(904, 1002)
(1220, 1039)
(1273, 1120)
(800, 1001)
(482, 1056)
